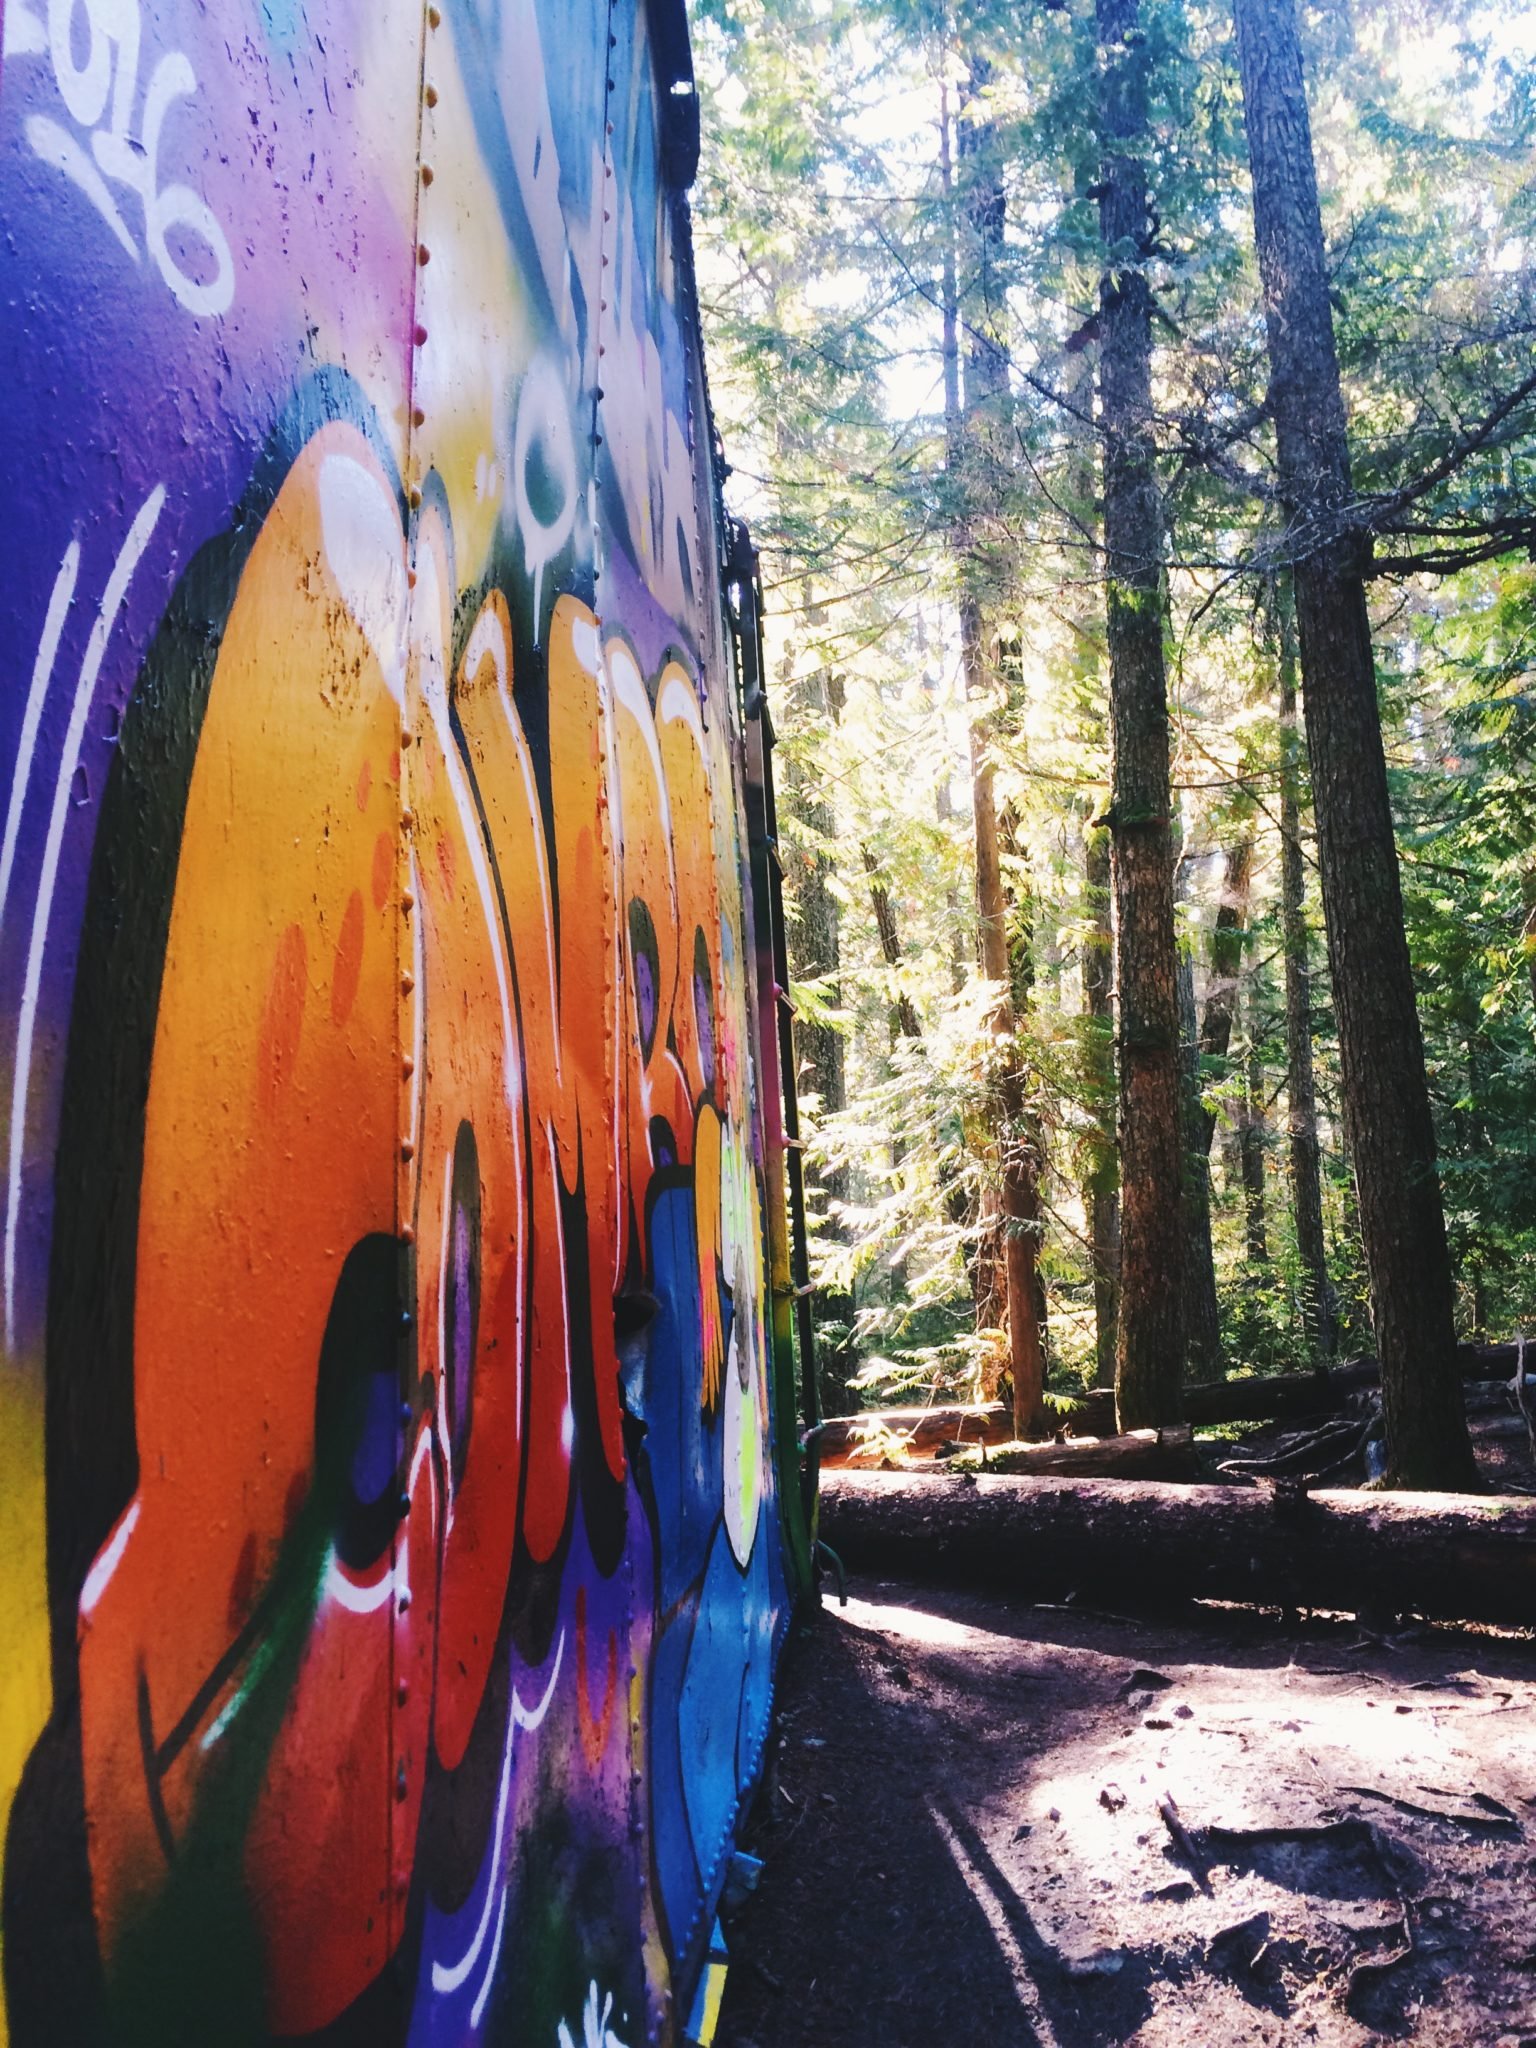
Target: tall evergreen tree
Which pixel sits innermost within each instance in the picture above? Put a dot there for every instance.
(1386, 1098)
(978, 416)
(1317, 1303)
(1150, 1356)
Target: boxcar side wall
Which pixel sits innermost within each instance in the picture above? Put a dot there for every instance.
(393, 1552)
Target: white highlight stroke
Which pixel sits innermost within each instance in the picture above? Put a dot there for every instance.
(482, 1996)
(139, 536)
(100, 1573)
(42, 676)
(449, 1976)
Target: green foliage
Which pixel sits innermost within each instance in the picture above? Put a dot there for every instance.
(829, 237)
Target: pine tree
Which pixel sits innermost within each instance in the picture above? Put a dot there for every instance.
(1386, 1098)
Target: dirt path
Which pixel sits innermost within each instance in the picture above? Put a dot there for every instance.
(962, 1840)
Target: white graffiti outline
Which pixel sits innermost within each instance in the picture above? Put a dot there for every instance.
(449, 1976)
(139, 536)
(361, 531)
(42, 676)
(434, 691)
(483, 1995)
(116, 153)
(595, 2030)
(487, 644)
(543, 423)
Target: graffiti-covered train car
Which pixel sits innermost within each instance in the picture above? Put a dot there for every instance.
(398, 1499)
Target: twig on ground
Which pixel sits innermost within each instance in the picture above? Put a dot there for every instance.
(1491, 1815)
(1169, 1812)
(1335, 1443)
(775, 1984)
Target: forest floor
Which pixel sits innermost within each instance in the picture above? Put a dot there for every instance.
(965, 1831)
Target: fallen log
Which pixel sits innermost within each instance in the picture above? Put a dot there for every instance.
(1488, 1361)
(1280, 1397)
(1287, 1397)
(886, 1436)
(1293, 1395)
(1125, 1541)
(1142, 1454)
(917, 1432)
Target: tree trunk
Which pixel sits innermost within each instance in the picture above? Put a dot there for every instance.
(1018, 1194)
(1128, 1539)
(1474, 1273)
(814, 938)
(944, 810)
(1102, 1172)
(904, 1022)
(1208, 1044)
(1020, 904)
(1228, 936)
(1386, 1097)
(1251, 1151)
(1098, 1157)
(1319, 1316)
(1202, 1311)
(975, 417)
(1149, 1358)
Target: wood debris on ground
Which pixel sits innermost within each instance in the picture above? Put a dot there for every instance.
(1328, 1836)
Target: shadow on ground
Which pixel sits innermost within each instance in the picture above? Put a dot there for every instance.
(1032, 1826)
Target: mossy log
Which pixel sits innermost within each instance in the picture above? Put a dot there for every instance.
(1128, 1541)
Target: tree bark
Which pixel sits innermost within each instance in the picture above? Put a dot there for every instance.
(904, 1022)
(1101, 1176)
(1251, 1153)
(974, 418)
(814, 937)
(1202, 1310)
(1209, 1044)
(1129, 1540)
(1386, 1097)
(1018, 1193)
(920, 1430)
(1098, 1157)
(1295, 1395)
(1228, 935)
(1319, 1315)
(1149, 1358)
